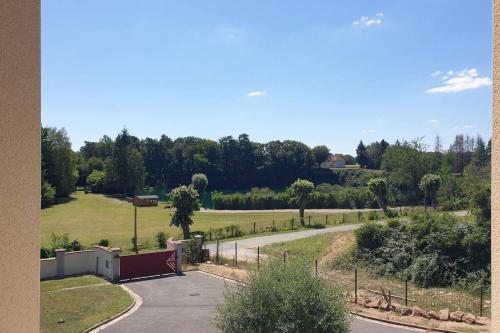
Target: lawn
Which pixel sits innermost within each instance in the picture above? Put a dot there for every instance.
(91, 217)
(308, 249)
(86, 304)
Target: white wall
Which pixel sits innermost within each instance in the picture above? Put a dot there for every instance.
(48, 268)
(99, 261)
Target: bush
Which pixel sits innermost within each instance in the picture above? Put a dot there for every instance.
(104, 242)
(369, 236)
(75, 245)
(426, 271)
(45, 253)
(59, 242)
(284, 299)
(373, 215)
(161, 238)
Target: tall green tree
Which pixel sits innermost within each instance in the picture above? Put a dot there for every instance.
(199, 181)
(300, 192)
(58, 161)
(378, 186)
(320, 153)
(429, 184)
(185, 203)
(361, 155)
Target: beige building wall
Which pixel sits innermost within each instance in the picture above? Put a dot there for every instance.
(495, 199)
(19, 165)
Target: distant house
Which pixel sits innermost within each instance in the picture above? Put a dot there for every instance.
(146, 200)
(333, 161)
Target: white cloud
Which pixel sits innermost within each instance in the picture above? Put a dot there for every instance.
(459, 81)
(371, 130)
(369, 21)
(257, 93)
(436, 73)
(434, 121)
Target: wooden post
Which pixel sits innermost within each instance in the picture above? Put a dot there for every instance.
(326, 219)
(343, 218)
(254, 227)
(210, 233)
(236, 254)
(135, 227)
(273, 226)
(284, 258)
(258, 257)
(292, 223)
(481, 303)
(406, 292)
(355, 285)
(316, 267)
(217, 253)
(309, 220)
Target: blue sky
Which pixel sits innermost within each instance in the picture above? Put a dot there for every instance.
(322, 72)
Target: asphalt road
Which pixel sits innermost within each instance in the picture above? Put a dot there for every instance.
(247, 248)
(188, 304)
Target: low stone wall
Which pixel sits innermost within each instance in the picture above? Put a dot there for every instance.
(99, 261)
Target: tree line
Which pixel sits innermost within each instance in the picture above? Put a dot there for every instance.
(127, 164)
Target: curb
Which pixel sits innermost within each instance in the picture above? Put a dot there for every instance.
(398, 323)
(137, 302)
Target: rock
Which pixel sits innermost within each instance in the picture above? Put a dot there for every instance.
(406, 311)
(384, 306)
(456, 316)
(418, 312)
(209, 262)
(444, 314)
(396, 307)
(373, 303)
(433, 315)
(482, 320)
(469, 318)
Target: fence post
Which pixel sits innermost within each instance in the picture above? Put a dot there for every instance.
(359, 216)
(406, 292)
(210, 235)
(258, 257)
(309, 220)
(273, 226)
(292, 223)
(481, 303)
(343, 218)
(254, 227)
(355, 285)
(326, 219)
(316, 267)
(284, 258)
(236, 254)
(217, 253)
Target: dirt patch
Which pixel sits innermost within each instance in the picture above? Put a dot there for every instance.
(341, 241)
(229, 272)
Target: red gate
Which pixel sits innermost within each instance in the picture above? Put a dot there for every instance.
(147, 264)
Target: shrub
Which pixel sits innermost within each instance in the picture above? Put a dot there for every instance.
(75, 245)
(59, 242)
(284, 299)
(369, 236)
(104, 242)
(373, 215)
(426, 271)
(161, 238)
(45, 253)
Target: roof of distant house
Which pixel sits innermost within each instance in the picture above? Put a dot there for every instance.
(335, 158)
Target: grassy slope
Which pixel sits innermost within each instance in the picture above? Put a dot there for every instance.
(92, 217)
(308, 249)
(80, 308)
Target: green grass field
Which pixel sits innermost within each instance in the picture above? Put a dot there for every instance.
(91, 217)
(81, 307)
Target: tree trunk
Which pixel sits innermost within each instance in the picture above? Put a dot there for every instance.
(425, 203)
(301, 211)
(382, 204)
(185, 231)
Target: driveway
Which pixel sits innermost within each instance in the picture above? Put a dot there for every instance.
(187, 303)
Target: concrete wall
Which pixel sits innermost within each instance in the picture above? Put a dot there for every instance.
(495, 179)
(99, 261)
(48, 268)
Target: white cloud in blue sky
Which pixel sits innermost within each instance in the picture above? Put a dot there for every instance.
(369, 21)
(257, 93)
(459, 81)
